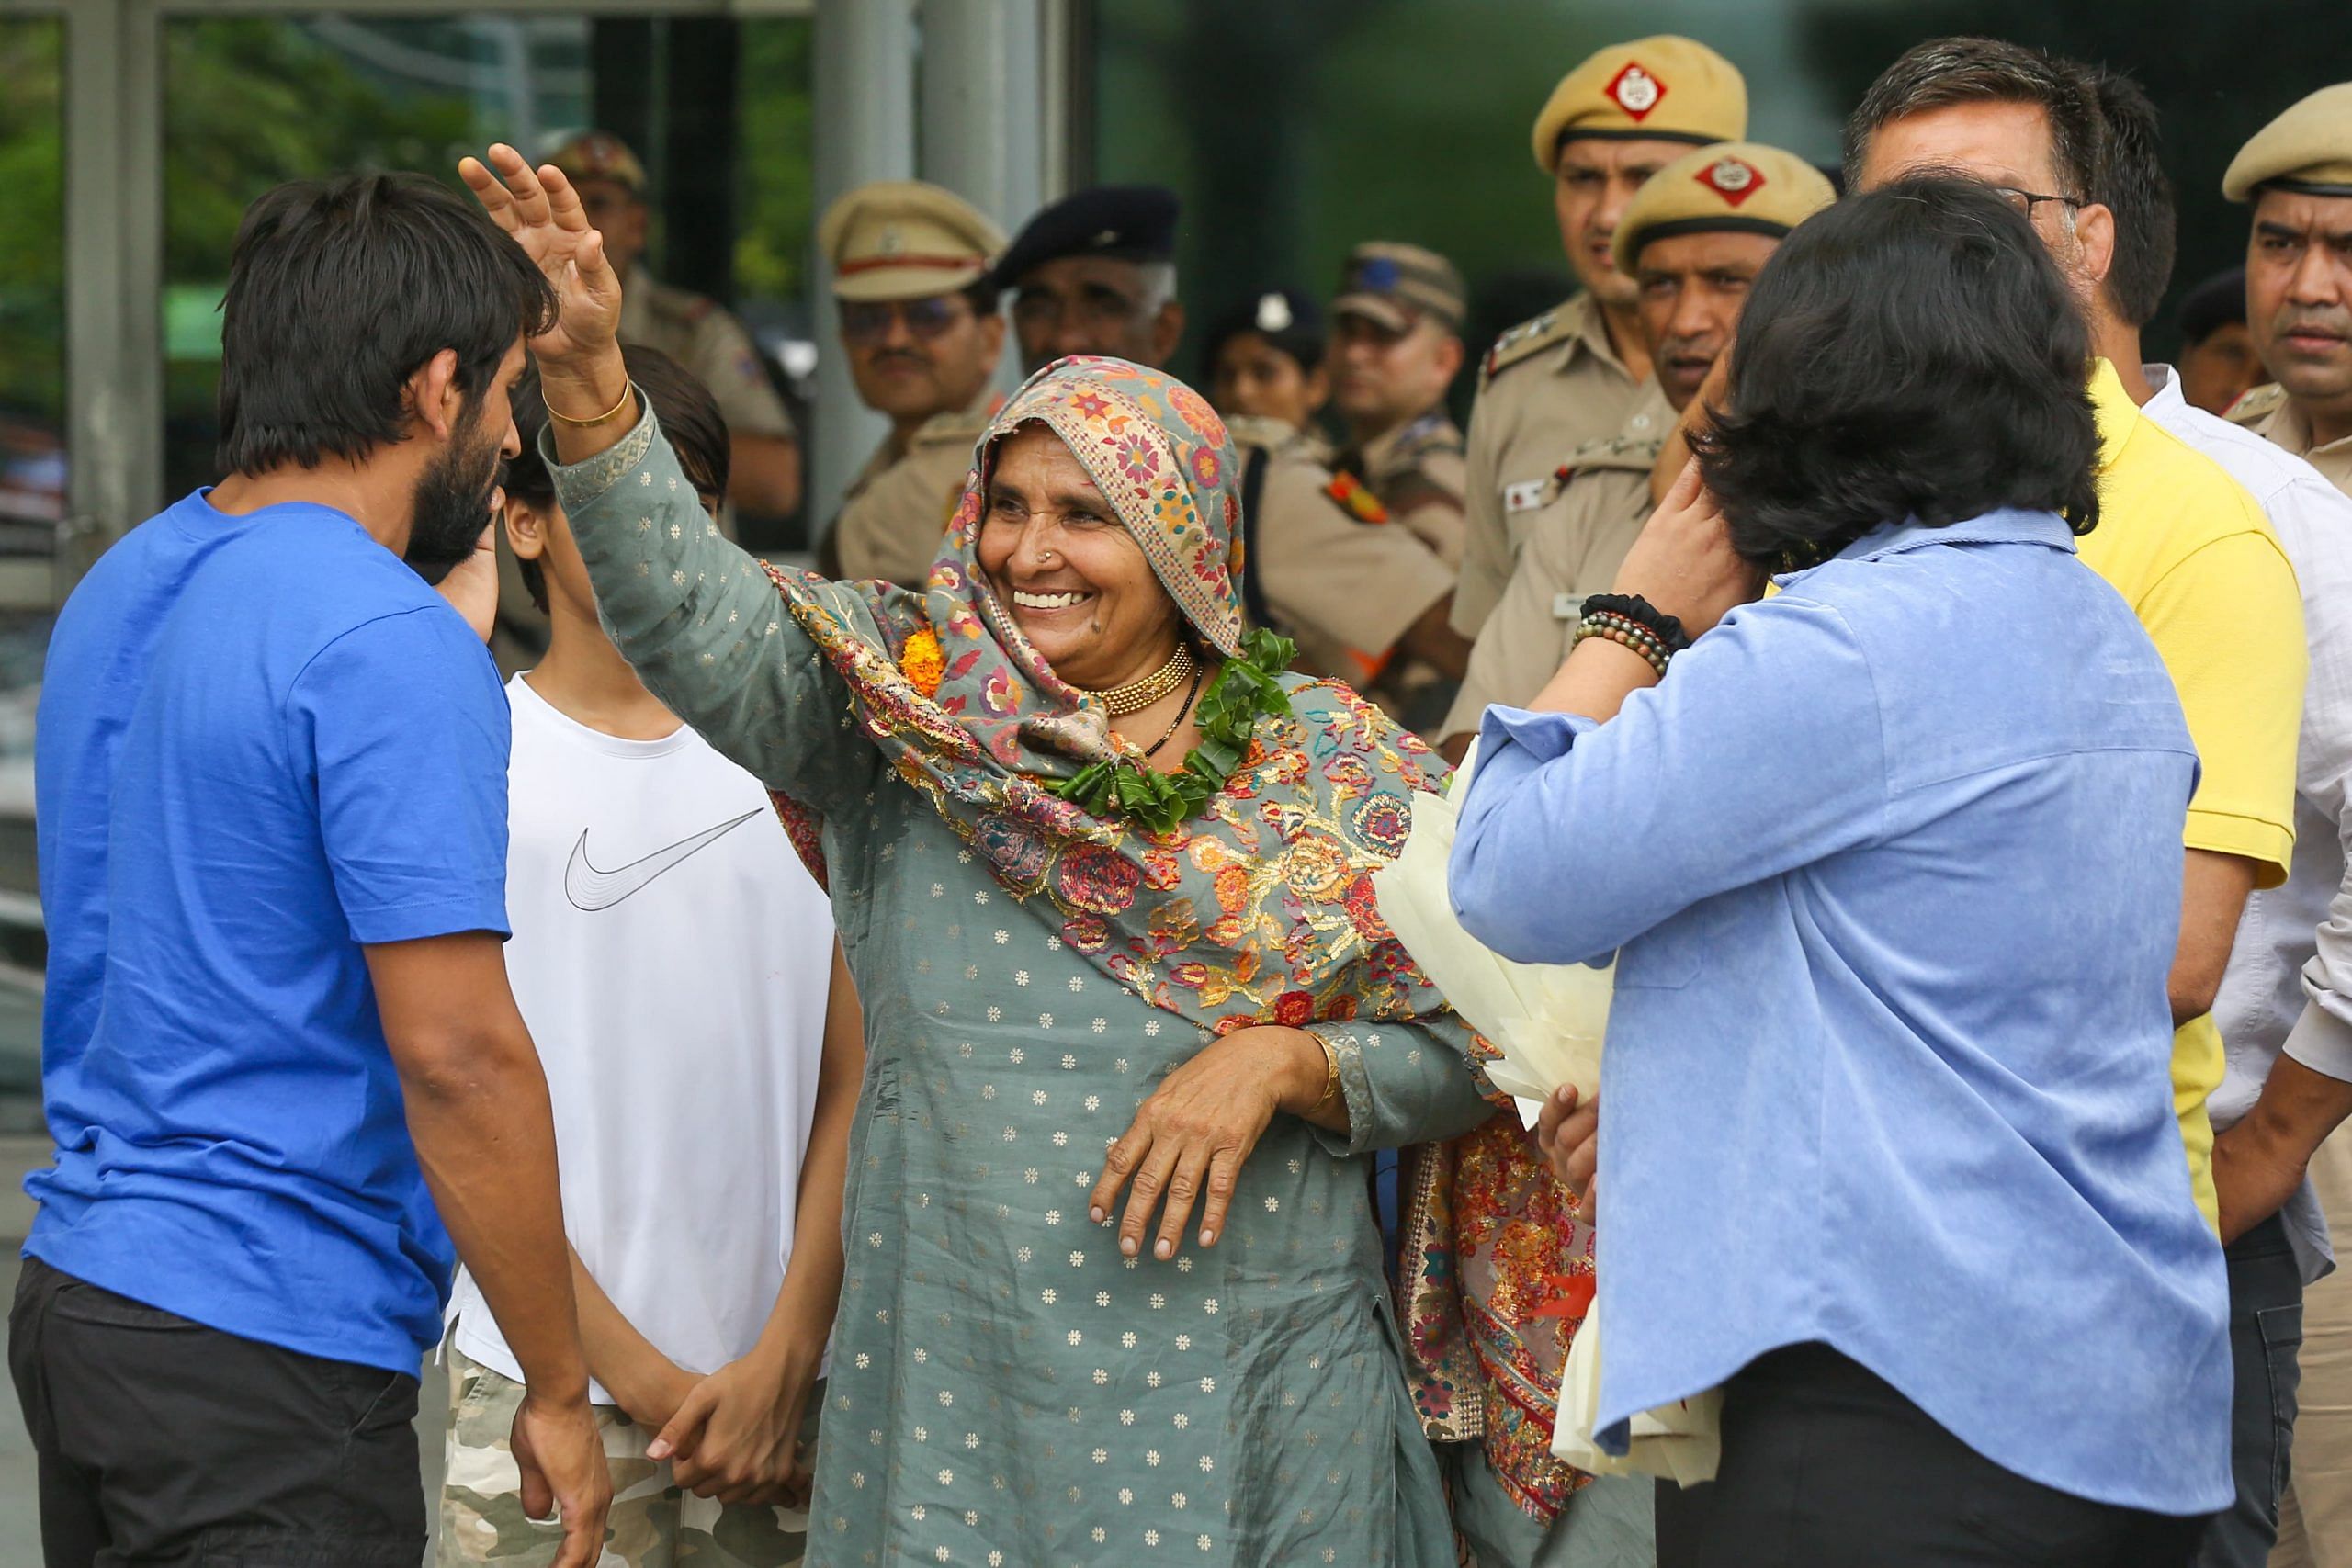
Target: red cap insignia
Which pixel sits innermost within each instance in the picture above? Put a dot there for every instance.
(1635, 91)
(1734, 179)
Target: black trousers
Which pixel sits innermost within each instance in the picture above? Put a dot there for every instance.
(1825, 1465)
(2266, 1337)
(165, 1444)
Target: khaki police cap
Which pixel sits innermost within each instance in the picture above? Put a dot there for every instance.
(599, 156)
(1738, 188)
(1665, 88)
(905, 240)
(2308, 149)
(1393, 285)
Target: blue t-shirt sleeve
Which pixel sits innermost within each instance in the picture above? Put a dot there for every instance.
(406, 732)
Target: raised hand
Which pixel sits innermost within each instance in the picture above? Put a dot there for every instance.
(579, 355)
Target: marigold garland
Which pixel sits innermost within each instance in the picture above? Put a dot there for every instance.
(1246, 689)
(922, 662)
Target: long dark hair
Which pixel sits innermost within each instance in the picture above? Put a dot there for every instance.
(1912, 353)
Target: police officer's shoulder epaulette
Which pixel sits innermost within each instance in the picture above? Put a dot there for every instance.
(1618, 451)
(1433, 432)
(2256, 406)
(1527, 340)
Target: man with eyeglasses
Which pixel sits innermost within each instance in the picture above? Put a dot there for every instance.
(920, 326)
(2183, 542)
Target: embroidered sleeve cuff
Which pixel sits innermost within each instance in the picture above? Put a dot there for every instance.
(1355, 1089)
(578, 484)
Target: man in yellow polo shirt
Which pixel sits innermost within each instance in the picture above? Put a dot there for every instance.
(2178, 537)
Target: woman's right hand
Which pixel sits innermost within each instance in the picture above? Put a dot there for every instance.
(1683, 562)
(1190, 1139)
(1569, 1133)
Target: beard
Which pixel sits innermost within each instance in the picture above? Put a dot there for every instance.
(452, 504)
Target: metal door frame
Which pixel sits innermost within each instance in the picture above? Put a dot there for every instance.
(113, 113)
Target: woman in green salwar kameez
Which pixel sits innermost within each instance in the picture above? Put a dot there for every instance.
(1093, 980)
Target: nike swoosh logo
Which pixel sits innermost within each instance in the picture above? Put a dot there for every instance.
(590, 890)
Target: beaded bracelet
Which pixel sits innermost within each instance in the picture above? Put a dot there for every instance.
(1628, 635)
(1641, 632)
(1666, 629)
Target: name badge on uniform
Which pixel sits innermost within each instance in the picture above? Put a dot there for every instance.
(1524, 496)
(1568, 607)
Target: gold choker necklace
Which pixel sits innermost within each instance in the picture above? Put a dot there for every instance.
(1137, 696)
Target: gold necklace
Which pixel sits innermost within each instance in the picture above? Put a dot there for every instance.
(1137, 696)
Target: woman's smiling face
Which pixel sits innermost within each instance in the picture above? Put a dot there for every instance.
(1072, 576)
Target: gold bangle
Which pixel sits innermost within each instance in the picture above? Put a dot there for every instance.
(628, 390)
(1331, 1074)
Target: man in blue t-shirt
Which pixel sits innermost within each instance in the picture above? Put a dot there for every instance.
(278, 1047)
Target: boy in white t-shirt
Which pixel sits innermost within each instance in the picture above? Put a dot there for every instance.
(678, 968)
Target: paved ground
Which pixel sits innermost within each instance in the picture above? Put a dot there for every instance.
(19, 1515)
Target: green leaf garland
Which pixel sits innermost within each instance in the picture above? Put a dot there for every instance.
(1245, 690)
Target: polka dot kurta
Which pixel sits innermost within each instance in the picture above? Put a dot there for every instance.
(1006, 1388)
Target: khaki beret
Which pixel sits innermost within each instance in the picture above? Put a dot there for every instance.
(599, 156)
(1664, 88)
(905, 240)
(2309, 148)
(1738, 188)
(1394, 284)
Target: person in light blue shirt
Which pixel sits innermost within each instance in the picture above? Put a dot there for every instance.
(1890, 863)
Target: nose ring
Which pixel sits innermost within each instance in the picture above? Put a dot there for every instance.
(1045, 557)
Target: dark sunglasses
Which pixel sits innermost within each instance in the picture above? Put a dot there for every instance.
(868, 321)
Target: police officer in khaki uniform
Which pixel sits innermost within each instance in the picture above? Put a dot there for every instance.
(1396, 346)
(923, 334)
(1550, 385)
(1095, 273)
(699, 334)
(1693, 238)
(1325, 564)
(2298, 174)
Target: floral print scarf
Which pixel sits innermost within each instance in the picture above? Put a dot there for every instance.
(1259, 909)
